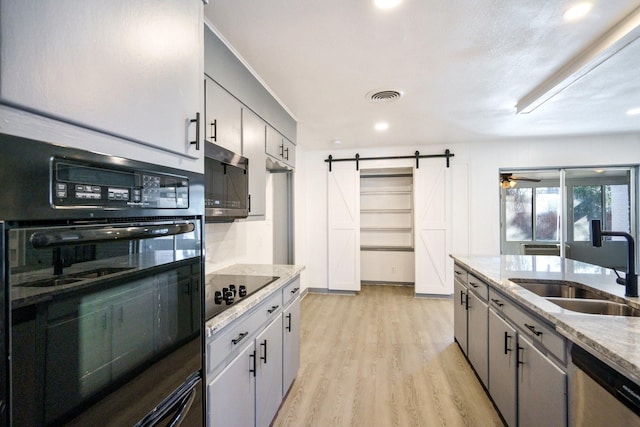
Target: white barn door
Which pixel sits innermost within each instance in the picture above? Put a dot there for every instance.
(430, 183)
(343, 206)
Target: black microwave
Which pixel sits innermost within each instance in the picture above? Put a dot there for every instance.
(226, 188)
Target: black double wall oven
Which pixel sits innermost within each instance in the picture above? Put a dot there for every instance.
(101, 289)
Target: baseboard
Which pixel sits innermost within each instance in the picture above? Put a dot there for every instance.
(434, 296)
(330, 292)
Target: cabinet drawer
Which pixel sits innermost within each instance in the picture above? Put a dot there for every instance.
(530, 325)
(478, 287)
(290, 291)
(226, 342)
(460, 273)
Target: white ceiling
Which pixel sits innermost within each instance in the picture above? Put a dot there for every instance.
(462, 65)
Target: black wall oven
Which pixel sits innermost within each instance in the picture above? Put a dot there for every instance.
(102, 276)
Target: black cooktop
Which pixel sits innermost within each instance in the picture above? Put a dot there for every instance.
(224, 290)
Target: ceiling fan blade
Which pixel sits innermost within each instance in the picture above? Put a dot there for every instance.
(517, 178)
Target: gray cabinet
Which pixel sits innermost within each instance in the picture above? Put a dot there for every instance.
(460, 313)
(542, 388)
(290, 344)
(268, 372)
(253, 143)
(271, 360)
(478, 336)
(126, 69)
(515, 353)
(223, 117)
(502, 366)
(231, 394)
(280, 148)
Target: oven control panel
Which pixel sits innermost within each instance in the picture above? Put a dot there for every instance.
(78, 184)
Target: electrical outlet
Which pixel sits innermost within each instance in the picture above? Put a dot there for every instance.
(393, 269)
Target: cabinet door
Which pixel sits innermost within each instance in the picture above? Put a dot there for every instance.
(131, 69)
(291, 344)
(269, 372)
(289, 154)
(231, 394)
(253, 146)
(502, 366)
(223, 117)
(478, 335)
(542, 388)
(274, 144)
(460, 314)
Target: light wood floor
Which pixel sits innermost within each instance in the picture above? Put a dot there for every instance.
(382, 358)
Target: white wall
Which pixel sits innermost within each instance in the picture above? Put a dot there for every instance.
(481, 160)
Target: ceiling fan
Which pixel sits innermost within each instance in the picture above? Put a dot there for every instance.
(508, 180)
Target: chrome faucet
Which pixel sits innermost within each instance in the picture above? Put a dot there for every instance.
(631, 279)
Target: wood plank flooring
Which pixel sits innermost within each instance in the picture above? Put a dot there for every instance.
(382, 358)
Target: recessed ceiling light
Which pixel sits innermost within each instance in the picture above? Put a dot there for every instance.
(386, 4)
(380, 126)
(633, 112)
(337, 141)
(577, 11)
(598, 170)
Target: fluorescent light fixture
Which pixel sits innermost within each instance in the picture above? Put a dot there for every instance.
(633, 112)
(381, 126)
(386, 4)
(612, 42)
(577, 11)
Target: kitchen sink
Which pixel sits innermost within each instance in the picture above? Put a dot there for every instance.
(99, 272)
(50, 282)
(591, 306)
(561, 290)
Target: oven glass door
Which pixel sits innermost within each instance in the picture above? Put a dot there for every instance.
(106, 320)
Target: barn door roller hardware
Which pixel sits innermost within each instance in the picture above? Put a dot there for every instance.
(447, 154)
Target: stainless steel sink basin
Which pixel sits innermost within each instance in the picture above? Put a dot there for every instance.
(591, 306)
(560, 290)
(50, 282)
(99, 272)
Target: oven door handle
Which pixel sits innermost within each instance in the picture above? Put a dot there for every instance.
(50, 239)
(179, 404)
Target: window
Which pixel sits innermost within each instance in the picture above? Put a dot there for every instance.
(531, 211)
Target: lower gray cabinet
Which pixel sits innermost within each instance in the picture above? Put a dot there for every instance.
(460, 314)
(542, 388)
(290, 344)
(502, 366)
(478, 336)
(268, 372)
(230, 396)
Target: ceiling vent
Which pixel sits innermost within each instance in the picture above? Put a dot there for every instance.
(380, 96)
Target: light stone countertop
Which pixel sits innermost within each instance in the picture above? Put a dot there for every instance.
(616, 339)
(285, 273)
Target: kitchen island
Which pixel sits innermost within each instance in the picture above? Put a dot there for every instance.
(554, 341)
(615, 339)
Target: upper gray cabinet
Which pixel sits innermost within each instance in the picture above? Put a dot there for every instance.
(130, 69)
(223, 123)
(253, 140)
(280, 148)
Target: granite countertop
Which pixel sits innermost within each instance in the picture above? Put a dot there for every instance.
(616, 339)
(284, 273)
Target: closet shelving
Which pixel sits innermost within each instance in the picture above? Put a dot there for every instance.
(386, 210)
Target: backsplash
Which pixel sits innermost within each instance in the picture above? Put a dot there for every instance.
(239, 242)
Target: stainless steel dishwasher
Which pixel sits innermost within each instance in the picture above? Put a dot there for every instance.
(599, 394)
